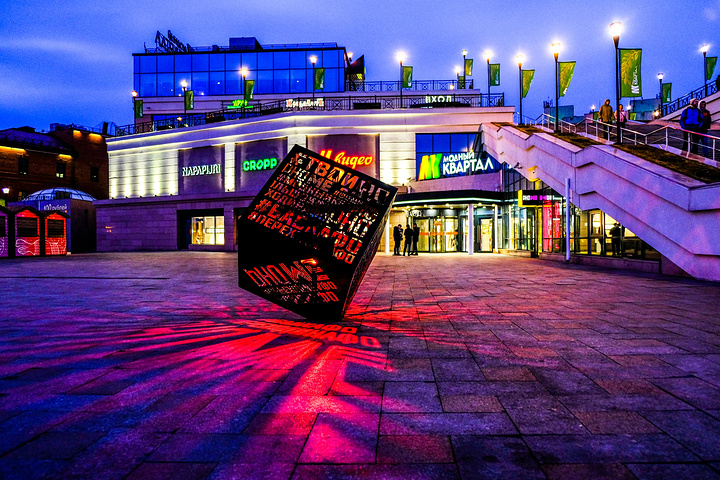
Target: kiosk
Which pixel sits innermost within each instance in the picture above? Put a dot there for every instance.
(26, 231)
(5, 216)
(55, 233)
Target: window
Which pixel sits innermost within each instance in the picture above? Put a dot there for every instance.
(94, 174)
(60, 170)
(148, 64)
(217, 83)
(23, 165)
(165, 64)
(165, 85)
(148, 83)
(200, 62)
(217, 62)
(208, 230)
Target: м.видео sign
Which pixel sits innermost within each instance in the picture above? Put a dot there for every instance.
(308, 237)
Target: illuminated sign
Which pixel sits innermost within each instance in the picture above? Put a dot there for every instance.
(50, 206)
(343, 158)
(294, 103)
(438, 98)
(238, 104)
(253, 165)
(201, 170)
(530, 198)
(439, 165)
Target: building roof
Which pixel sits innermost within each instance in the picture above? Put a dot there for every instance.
(64, 193)
(26, 137)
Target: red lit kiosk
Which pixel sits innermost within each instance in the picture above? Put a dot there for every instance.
(5, 216)
(25, 232)
(55, 233)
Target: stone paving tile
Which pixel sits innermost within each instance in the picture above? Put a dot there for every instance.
(471, 403)
(56, 445)
(194, 447)
(407, 397)
(486, 457)
(694, 391)
(698, 432)
(414, 449)
(662, 471)
(372, 472)
(615, 422)
(253, 471)
(596, 471)
(342, 438)
(540, 415)
(171, 471)
(446, 424)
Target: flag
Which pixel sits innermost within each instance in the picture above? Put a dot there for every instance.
(630, 82)
(406, 77)
(494, 74)
(138, 107)
(468, 67)
(461, 82)
(567, 69)
(710, 63)
(666, 95)
(319, 78)
(527, 78)
(189, 100)
(249, 89)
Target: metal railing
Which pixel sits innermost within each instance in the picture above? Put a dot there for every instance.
(417, 85)
(374, 102)
(684, 101)
(548, 121)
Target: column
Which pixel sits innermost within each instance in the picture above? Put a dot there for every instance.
(471, 229)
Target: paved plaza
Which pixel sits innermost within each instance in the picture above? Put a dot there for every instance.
(157, 366)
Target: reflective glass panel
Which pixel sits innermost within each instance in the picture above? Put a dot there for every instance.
(330, 59)
(217, 62)
(200, 83)
(282, 60)
(264, 82)
(200, 62)
(148, 85)
(297, 60)
(233, 61)
(148, 64)
(281, 82)
(297, 81)
(182, 63)
(165, 63)
(165, 85)
(265, 60)
(217, 83)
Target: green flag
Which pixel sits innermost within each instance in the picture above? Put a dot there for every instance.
(630, 82)
(461, 82)
(494, 74)
(666, 89)
(249, 89)
(567, 69)
(406, 77)
(138, 107)
(468, 67)
(710, 63)
(319, 78)
(189, 100)
(527, 78)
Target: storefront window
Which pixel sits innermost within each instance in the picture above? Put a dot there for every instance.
(208, 230)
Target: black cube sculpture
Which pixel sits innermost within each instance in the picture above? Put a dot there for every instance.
(307, 239)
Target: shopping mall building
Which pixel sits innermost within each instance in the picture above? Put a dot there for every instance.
(180, 178)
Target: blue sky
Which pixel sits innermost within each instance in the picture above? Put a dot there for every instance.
(70, 61)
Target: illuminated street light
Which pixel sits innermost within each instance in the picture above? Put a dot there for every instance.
(401, 58)
(660, 78)
(487, 54)
(313, 60)
(555, 49)
(704, 49)
(184, 85)
(519, 59)
(615, 30)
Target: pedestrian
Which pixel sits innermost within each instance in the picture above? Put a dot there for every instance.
(621, 117)
(408, 241)
(397, 237)
(705, 128)
(606, 117)
(691, 122)
(416, 237)
(616, 236)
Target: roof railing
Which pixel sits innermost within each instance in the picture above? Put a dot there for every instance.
(706, 90)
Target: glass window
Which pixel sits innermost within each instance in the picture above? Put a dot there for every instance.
(208, 230)
(331, 80)
(233, 83)
(60, 170)
(233, 62)
(441, 143)
(136, 64)
(217, 83)
(165, 63)
(330, 59)
(200, 83)
(264, 82)
(459, 142)
(217, 62)
(265, 61)
(297, 81)
(94, 174)
(23, 166)
(250, 61)
(136, 82)
(148, 64)
(314, 53)
(165, 85)
(200, 62)
(182, 63)
(147, 85)
(297, 60)
(179, 77)
(282, 60)
(423, 143)
(281, 82)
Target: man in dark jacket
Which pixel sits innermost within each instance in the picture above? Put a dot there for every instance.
(705, 128)
(397, 237)
(408, 240)
(691, 121)
(416, 237)
(606, 116)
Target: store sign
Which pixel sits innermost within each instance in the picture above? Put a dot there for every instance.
(200, 170)
(238, 104)
(439, 165)
(438, 98)
(531, 198)
(301, 104)
(358, 152)
(264, 164)
(310, 234)
(255, 161)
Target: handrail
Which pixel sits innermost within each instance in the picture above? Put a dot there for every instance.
(417, 85)
(369, 102)
(683, 101)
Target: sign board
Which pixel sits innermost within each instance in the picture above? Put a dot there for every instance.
(255, 161)
(307, 239)
(358, 152)
(534, 198)
(201, 170)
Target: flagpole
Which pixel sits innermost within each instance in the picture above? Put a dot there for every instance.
(615, 32)
(520, 59)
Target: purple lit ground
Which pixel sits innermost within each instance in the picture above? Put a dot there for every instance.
(156, 366)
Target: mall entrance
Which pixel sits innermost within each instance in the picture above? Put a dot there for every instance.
(446, 230)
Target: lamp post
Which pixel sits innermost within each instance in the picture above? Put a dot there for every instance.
(487, 56)
(243, 74)
(464, 52)
(615, 29)
(704, 50)
(401, 57)
(5, 191)
(555, 47)
(183, 84)
(660, 78)
(519, 60)
(313, 60)
(457, 72)
(134, 96)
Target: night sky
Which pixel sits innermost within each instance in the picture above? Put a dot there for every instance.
(71, 61)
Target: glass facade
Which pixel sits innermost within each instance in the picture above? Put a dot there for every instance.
(208, 230)
(218, 73)
(443, 155)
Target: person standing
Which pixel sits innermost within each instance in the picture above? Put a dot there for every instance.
(408, 241)
(705, 128)
(416, 238)
(691, 122)
(606, 117)
(621, 118)
(397, 237)
(616, 238)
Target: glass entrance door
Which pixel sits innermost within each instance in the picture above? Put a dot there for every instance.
(424, 240)
(486, 234)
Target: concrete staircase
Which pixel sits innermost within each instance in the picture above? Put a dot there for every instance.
(678, 216)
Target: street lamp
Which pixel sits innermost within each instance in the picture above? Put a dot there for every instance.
(5, 191)
(313, 60)
(555, 48)
(487, 56)
(401, 58)
(519, 58)
(615, 29)
(464, 52)
(704, 50)
(134, 96)
(183, 84)
(457, 72)
(660, 78)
